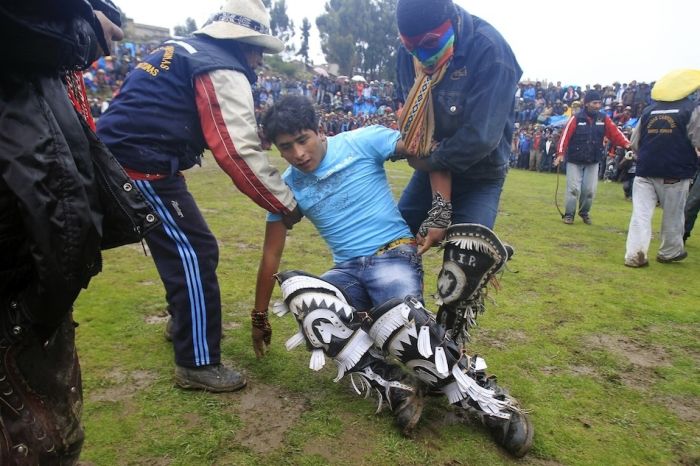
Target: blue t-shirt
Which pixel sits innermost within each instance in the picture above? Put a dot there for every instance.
(348, 198)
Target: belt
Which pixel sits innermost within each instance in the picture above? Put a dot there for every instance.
(136, 175)
(395, 243)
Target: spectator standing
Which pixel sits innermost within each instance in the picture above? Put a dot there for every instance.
(582, 143)
(626, 171)
(619, 91)
(549, 150)
(629, 94)
(608, 96)
(536, 150)
(524, 144)
(665, 141)
(188, 95)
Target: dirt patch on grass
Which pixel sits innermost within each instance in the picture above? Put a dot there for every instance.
(574, 246)
(354, 440)
(639, 354)
(267, 413)
(577, 369)
(500, 339)
(642, 360)
(615, 231)
(231, 325)
(125, 386)
(685, 408)
(148, 283)
(582, 370)
(190, 421)
(156, 320)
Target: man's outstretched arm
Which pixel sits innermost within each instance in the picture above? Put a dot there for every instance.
(273, 247)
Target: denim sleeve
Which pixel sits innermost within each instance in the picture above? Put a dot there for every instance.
(488, 106)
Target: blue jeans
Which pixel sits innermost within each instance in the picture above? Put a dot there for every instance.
(473, 201)
(369, 281)
(581, 183)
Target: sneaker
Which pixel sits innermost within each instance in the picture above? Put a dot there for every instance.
(638, 261)
(215, 378)
(168, 330)
(568, 219)
(678, 258)
(586, 218)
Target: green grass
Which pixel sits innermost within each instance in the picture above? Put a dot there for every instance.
(605, 357)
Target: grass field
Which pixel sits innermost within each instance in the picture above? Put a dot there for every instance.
(605, 357)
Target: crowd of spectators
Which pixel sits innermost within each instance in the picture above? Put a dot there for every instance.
(553, 104)
(343, 103)
(541, 109)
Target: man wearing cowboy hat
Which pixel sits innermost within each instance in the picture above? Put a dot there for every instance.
(189, 95)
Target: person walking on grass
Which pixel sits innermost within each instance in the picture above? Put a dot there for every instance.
(582, 144)
(665, 140)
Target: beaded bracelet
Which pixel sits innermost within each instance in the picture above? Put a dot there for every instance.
(259, 319)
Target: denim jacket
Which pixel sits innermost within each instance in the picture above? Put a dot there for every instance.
(474, 102)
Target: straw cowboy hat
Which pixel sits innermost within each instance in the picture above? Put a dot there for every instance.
(246, 21)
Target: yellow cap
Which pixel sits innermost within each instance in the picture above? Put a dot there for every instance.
(676, 85)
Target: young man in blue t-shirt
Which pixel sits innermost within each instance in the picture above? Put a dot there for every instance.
(340, 184)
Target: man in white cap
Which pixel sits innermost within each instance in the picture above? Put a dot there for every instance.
(189, 95)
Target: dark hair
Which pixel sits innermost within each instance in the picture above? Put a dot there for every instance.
(291, 114)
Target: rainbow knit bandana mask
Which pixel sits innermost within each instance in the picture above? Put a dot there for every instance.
(432, 48)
